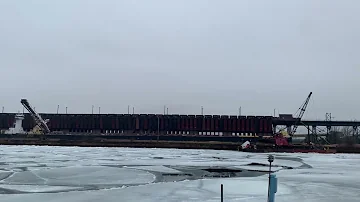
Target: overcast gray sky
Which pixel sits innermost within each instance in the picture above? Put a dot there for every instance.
(258, 54)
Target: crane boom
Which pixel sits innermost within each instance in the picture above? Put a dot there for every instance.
(301, 113)
(37, 118)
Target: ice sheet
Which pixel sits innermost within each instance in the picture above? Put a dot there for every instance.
(102, 172)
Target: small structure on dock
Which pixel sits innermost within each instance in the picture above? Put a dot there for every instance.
(17, 127)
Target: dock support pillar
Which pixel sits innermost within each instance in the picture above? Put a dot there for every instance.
(314, 135)
(308, 135)
(274, 128)
(288, 129)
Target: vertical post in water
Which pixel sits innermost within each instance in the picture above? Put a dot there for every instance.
(270, 160)
(222, 192)
(65, 110)
(133, 110)
(273, 188)
(2, 110)
(57, 110)
(167, 111)
(128, 109)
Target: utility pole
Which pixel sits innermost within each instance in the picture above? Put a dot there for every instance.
(328, 118)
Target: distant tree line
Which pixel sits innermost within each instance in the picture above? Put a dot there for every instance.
(343, 135)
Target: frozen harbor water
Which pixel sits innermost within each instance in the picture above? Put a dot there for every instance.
(54, 174)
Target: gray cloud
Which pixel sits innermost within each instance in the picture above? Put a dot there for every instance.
(259, 55)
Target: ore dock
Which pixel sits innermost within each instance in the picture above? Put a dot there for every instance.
(244, 133)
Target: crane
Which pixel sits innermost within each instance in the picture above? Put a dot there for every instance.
(300, 113)
(37, 118)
